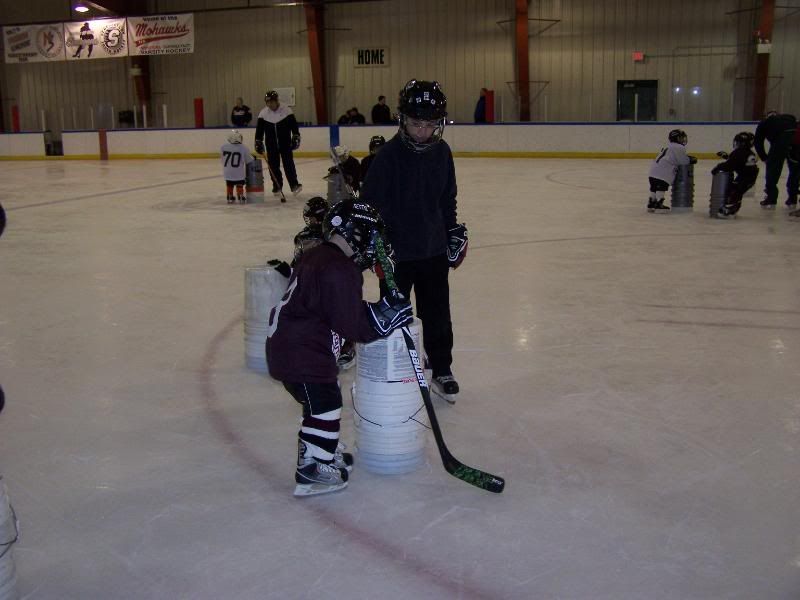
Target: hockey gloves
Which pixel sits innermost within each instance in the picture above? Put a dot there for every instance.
(389, 313)
(281, 267)
(259, 147)
(692, 160)
(295, 141)
(457, 242)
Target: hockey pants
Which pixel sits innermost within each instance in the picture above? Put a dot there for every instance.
(778, 153)
(274, 158)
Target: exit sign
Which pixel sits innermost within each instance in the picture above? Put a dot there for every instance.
(371, 57)
(638, 57)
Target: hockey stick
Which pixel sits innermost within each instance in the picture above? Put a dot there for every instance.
(478, 478)
(272, 176)
(338, 166)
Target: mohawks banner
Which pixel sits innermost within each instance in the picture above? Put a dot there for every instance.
(161, 34)
(102, 38)
(34, 43)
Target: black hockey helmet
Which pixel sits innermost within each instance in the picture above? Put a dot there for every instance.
(743, 139)
(678, 136)
(422, 101)
(360, 225)
(270, 96)
(314, 211)
(375, 142)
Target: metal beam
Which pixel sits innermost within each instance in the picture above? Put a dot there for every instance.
(523, 62)
(315, 21)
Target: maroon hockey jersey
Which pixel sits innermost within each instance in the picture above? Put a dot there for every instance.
(322, 305)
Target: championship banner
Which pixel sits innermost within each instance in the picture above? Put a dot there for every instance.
(102, 38)
(34, 43)
(161, 34)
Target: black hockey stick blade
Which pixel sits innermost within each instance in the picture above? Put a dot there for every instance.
(272, 176)
(476, 477)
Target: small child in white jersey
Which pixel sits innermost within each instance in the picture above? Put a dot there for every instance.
(235, 158)
(664, 167)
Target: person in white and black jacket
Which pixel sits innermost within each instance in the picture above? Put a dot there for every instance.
(277, 131)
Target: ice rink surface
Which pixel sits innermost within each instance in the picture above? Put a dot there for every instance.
(634, 377)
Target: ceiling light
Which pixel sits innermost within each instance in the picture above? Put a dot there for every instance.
(81, 8)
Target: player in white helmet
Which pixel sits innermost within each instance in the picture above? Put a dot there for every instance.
(235, 158)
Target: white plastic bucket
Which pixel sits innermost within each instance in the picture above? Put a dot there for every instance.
(263, 288)
(388, 413)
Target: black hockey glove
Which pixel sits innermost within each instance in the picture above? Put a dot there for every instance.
(390, 313)
(692, 160)
(457, 242)
(295, 141)
(259, 147)
(281, 267)
(722, 154)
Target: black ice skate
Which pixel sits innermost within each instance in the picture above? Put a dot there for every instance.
(276, 190)
(795, 214)
(768, 204)
(728, 211)
(446, 387)
(296, 188)
(657, 206)
(242, 200)
(231, 200)
(791, 203)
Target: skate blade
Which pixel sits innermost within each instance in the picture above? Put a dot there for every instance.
(769, 207)
(449, 398)
(315, 489)
(298, 190)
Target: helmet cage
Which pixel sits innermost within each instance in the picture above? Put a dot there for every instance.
(314, 211)
(423, 101)
(359, 225)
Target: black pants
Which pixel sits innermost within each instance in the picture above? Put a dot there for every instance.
(274, 158)
(778, 153)
(322, 411)
(428, 278)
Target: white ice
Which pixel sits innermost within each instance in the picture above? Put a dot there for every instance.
(634, 377)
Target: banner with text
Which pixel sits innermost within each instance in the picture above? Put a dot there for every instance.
(161, 34)
(34, 43)
(101, 38)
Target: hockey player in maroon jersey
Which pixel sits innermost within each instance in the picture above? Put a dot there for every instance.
(743, 162)
(323, 304)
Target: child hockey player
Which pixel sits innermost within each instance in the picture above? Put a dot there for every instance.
(743, 163)
(351, 170)
(665, 166)
(375, 144)
(323, 303)
(235, 158)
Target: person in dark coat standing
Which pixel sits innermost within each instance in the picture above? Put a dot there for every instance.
(277, 130)
(381, 115)
(480, 107)
(779, 131)
(241, 115)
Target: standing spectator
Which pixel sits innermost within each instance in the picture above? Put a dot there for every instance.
(241, 115)
(412, 183)
(322, 304)
(381, 115)
(480, 107)
(779, 131)
(277, 128)
(2, 219)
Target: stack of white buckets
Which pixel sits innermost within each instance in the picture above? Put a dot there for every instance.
(263, 288)
(390, 418)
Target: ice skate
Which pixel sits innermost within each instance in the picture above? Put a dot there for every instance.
(446, 387)
(342, 459)
(276, 190)
(242, 200)
(296, 188)
(791, 203)
(657, 206)
(313, 477)
(231, 200)
(795, 214)
(728, 211)
(768, 204)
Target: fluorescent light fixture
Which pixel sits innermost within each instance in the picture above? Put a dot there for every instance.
(81, 8)
(678, 89)
(695, 91)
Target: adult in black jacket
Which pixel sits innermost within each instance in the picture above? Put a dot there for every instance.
(778, 130)
(277, 129)
(412, 183)
(381, 115)
(241, 115)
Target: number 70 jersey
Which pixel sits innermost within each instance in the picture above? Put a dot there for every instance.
(235, 158)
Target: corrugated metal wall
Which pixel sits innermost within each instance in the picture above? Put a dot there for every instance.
(578, 51)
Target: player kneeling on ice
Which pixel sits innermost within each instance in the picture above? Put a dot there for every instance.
(235, 158)
(322, 305)
(742, 161)
(665, 166)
